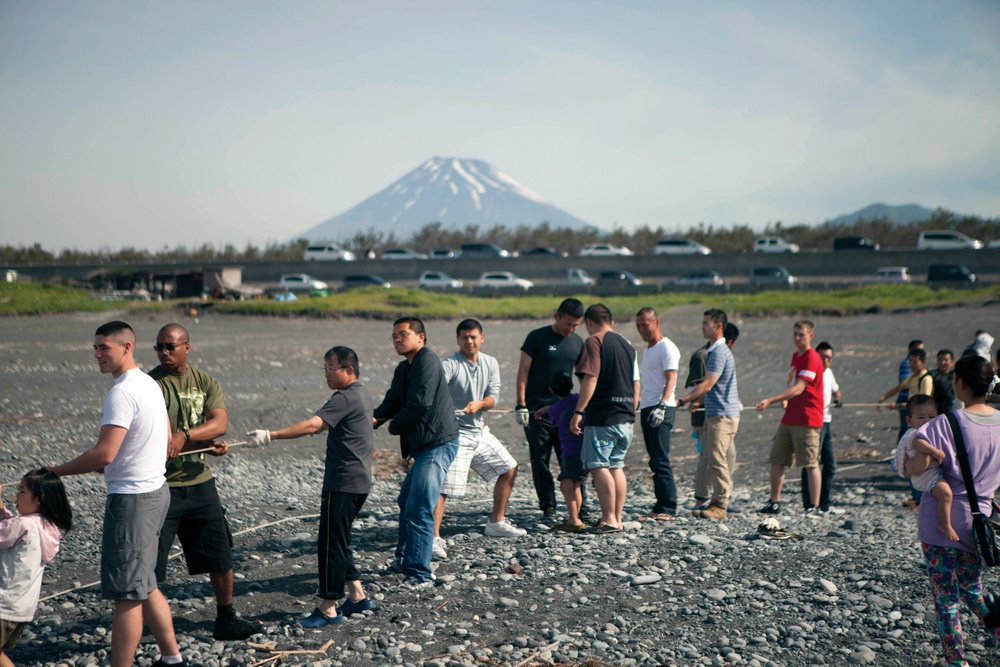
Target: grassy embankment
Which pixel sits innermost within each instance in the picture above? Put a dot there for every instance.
(45, 298)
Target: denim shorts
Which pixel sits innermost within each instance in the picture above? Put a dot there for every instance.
(605, 446)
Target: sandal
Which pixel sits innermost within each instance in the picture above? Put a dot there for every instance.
(603, 529)
(570, 527)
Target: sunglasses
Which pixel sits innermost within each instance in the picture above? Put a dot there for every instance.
(169, 347)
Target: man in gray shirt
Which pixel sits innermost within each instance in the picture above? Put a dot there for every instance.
(474, 381)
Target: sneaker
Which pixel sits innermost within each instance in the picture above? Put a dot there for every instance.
(437, 549)
(734, 509)
(234, 628)
(503, 529)
(549, 511)
(770, 529)
(992, 603)
(350, 608)
(713, 512)
(318, 619)
(772, 507)
(396, 565)
(414, 584)
(812, 513)
(830, 510)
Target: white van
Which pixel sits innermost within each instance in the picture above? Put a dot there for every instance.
(327, 252)
(681, 247)
(946, 240)
(774, 244)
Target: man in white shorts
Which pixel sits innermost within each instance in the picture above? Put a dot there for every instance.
(474, 381)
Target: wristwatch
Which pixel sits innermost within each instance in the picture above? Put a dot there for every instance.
(578, 412)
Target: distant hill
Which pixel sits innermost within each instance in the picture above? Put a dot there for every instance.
(452, 191)
(900, 215)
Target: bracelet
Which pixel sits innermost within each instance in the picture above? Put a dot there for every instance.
(187, 434)
(578, 412)
(680, 402)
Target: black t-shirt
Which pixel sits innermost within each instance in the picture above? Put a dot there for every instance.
(550, 354)
(610, 357)
(349, 440)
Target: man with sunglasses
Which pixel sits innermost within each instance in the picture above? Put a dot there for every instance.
(198, 417)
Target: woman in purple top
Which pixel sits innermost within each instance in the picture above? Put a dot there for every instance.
(954, 567)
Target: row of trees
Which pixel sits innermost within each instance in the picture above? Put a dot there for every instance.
(641, 240)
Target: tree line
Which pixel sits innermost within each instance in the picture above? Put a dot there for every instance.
(641, 240)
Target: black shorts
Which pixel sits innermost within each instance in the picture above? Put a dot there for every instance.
(571, 467)
(197, 518)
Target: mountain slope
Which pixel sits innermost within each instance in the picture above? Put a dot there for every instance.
(451, 191)
(900, 215)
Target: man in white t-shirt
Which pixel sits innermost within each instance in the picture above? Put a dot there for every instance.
(132, 450)
(827, 460)
(658, 408)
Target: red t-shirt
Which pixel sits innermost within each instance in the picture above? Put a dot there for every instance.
(806, 409)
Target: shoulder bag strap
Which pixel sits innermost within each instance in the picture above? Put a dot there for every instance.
(963, 461)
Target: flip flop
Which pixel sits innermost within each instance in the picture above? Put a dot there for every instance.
(603, 529)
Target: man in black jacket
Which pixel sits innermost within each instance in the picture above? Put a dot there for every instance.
(419, 404)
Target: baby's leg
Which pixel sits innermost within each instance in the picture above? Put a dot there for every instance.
(942, 492)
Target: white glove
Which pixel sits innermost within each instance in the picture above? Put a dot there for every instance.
(522, 415)
(656, 416)
(259, 437)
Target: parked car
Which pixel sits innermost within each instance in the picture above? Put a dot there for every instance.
(995, 243)
(365, 280)
(854, 243)
(437, 280)
(888, 274)
(774, 244)
(544, 252)
(772, 276)
(504, 279)
(950, 273)
(327, 252)
(604, 250)
(301, 282)
(681, 247)
(444, 253)
(483, 250)
(947, 240)
(575, 278)
(606, 278)
(696, 279)
(402, 253)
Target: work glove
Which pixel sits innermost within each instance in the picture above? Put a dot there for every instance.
(259, 437)
(656, 415)
(522, 415)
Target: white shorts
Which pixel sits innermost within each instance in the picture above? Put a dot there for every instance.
(485, 454)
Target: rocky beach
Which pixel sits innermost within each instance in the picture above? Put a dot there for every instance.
(843, 589)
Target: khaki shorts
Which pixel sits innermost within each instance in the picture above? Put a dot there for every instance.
(795, 445)
(9, 633)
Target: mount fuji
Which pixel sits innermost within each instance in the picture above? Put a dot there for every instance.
(451, 191)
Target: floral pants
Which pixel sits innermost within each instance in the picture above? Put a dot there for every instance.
(954, 572)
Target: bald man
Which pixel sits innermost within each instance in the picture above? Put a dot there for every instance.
(198, 417)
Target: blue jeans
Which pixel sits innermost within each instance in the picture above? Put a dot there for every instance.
(658, 447)
(417, 497)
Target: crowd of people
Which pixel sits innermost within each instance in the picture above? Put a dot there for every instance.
(157, 428)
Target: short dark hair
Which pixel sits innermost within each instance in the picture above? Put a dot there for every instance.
(345, 356)
(822, 347)
(919, 354)
(173, 326)
(572, 307)
(599, 313)
(976, 373)
(46, 488)
(946, 351)
(731, 332)
(914, 345)
(118, 331)
(917, 400)
(468, 325)
(648, 310)
(718, 316)
(416, 325)
(561, 384)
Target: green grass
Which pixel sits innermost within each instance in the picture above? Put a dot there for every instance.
(42, 298)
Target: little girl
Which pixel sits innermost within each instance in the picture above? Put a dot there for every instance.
(27, 543)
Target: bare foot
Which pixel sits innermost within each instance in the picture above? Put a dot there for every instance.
(949, 531)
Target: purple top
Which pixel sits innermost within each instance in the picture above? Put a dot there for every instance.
(559, 414)
(982, 442)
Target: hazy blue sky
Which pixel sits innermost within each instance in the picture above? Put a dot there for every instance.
(153, 123)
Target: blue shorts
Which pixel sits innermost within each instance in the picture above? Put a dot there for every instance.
(605, 446)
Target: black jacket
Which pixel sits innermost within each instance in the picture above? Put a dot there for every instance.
(419, 404)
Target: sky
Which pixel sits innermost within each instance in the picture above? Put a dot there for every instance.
(162, 124)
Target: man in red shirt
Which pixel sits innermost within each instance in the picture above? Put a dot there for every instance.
(797, 438)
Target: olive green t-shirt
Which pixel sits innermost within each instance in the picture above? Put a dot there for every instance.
(189, 397)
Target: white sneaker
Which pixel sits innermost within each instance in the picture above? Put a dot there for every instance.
(503, 529)
(438, 550)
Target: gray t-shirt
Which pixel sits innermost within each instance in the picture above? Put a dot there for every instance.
(349, 440)
(723, 400)
(469, 381)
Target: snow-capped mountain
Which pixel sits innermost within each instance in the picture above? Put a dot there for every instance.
(451, 191)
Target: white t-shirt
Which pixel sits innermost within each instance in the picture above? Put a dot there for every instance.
(830, 387)
(135, 403)
(657, 358)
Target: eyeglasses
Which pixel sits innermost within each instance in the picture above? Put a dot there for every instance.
(169, 347)
(330, 369)
(401, 335)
